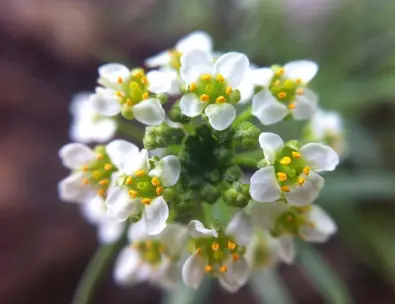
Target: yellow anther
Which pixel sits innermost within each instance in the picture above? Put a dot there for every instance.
(231, 245)
(220, 78)
(145, 95)
(285, 160)
(146, 201)
(192, 87)
(282, 176)
(138, 74)
(129, 181)
(295, 154)
(85, 181)
(223, 269)
(107, 167)
(148, 244)
(132, 193)
(129, 102)
(159, 190)
(139, 173)
(119, 80)
(299, 91)
(228, 90)
(99, 156)
(282, 95)
(101, 192)
(144, 80)
(206, 77)
(298, 81)
(301, 181)
(198, 251)
(280, 72)
(220, 99)
(104, 182)
(204, 97)
(306, 170)
(285, 189)
(291, 106)
(235, 257)
(85, 168)
(276, 83)
(215, 246)
(96, 174)
(208, 268)
(119, 94)
(155, 181)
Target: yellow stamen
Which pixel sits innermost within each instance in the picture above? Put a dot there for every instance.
(119, 80)
(291, 106)
(132, 193)
(301, 181)
(231, 245)
(85, 168)
(159, 190)
(155, 181)
(192, 87)
(215, 246)
(223, 269)
(101, 192)
(285, 189)
(144, 80)
(206, 77)
(198, 251)
(306, 170)
(204, 97)
(138, 74)
(129, 102)
(282, 95)
(280, 72)
(299, 91)
(208, 268)
(139, 173)
(220, 78)
(148, 245)
(104, 182)
(282, 176)
(235, 257)
(119, 93)
(276, 83)
(146, 201)
(298, 81)
(285, 160)
(228, 90)
(99, 156)
(129, 180)
(295, 154)
(107, 167)
(85, 181)
(220, 99)
(145, 95)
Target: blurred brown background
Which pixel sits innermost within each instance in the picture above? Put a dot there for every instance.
(50, 49)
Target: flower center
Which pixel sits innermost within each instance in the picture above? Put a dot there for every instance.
(141, 185)
(212, 89)
(134, 90)
(98, 172)
(151, 251)
(283, 89)
(290, 221)
(175, 61)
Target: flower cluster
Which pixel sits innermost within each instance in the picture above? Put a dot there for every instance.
(184, 191)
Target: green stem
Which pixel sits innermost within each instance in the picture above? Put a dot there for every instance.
(243, 116)
(93, 273)
(129, 130)
(244, 161)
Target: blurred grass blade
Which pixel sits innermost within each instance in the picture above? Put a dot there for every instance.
(269, 288)
(321, 276)
(184, 294)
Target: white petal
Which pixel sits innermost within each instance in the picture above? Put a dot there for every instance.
(119, 150)
(301, 69)
(105, 102)
(267, 109)
(149, 112)
(237, 275)
(126, 269)
(158, 82)
(286, 250)
(191, 105)
(264, 186)
(112, 71)
(320, 157)
(102, 130)
(160, 59)
(262, 76)
(110, 232)
(168, 275)
(155, 216)
(120, 205)
(246, 91)
(80, 103)
(136, 162)
(175, 237)
(270, 143)
(326, 123)
(94, 210)
(193, 271)
(308, 192)
(220, 116)
(71, 189)
(233, 66)
(194, 63)
(76, 155)
(137, 232)
(168, 170)
(197, 230)
(305, 107)
(323, 226)
(241, 228)
(264, 215)
(195, 40)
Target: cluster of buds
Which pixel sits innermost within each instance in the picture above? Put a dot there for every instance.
(177, 192)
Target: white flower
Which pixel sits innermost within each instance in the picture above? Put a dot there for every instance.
(229, 266)
(142, 189)
(129, 93)
(151, 258)
(284, 92)
(87, 125)
(291, 172)
(211, 85)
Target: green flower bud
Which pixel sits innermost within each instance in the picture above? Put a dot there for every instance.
(210, 194)
(238, 195)
(176, 115)
(162, 136)
(162, 97)
(235, 96)
(168, 194)
(214, 176)
(247, 135)
(232, 174)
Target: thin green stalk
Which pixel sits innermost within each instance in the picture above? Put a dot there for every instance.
(244, 161)
(130, 131)
(243, 116)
